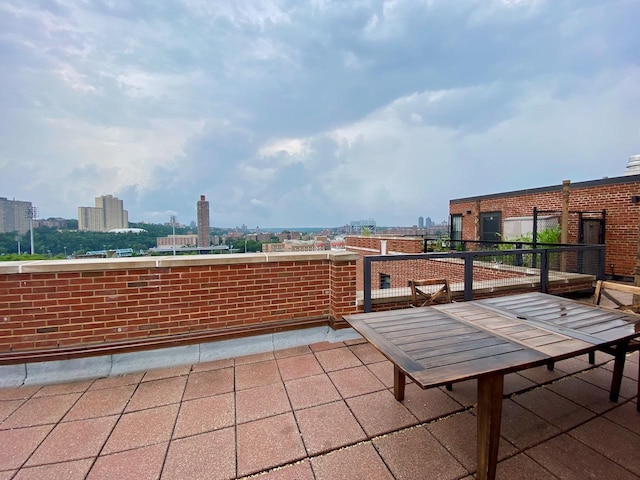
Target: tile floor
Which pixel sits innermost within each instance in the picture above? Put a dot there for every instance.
(324, 411)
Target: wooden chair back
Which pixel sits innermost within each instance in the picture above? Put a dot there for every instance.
(421, 297)
(605, 289)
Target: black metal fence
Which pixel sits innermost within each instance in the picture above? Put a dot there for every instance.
(386, 277)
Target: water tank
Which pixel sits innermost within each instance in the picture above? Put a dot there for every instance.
(633, 165)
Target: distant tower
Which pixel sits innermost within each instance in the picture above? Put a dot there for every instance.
(203, 222)
(633, 165)
(421, 222)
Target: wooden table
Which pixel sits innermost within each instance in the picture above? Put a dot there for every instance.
(486, 339)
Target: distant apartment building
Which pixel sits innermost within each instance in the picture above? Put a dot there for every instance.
(14, 216)
(51, 223)
(177, 241)
(203, 222)
(108, 214)
(296, 246)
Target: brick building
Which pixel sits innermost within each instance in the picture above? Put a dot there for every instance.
(600, 211)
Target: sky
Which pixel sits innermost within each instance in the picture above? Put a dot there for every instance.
(311, 113)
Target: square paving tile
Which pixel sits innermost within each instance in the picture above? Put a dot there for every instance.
(291, 352)
(428, 404)
(257, 374)
(327, 427)
(7, 407)
(521, 467)
(624, 451)
(205, 414)
(542, 374)
(354, 381)
(98, 403)
(207, 383)
(169, 372)
(18, 393)
(573, 365)
(63, 388)
(322, 346)
(630, 367)
(73, 441)
(299, 366)
(17, 445)
(261, 402)
(142, 428)
(74, 470)
(626, 415)
(583, 393)
(268, 443)
(570, 459)
(157, 393)
(412, 453)
(465, 393)
(255, 358)
(557, 410)
(41, 411)
(117, 381)
(458, 433)
(310, 391)
(138, 464)
(601, 377)
(515, 382)
(205, 456)
(337, 359)
(359, 462)
(297, 471)
(384, 372)
(367, 353)
(380, 412)
(212, 365)
(523, 428)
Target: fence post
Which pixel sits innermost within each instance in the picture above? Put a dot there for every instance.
(468, 276)
(367, 284)
(544, 270)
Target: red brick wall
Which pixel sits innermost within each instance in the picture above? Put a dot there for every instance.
(612, 195)
(105, 303)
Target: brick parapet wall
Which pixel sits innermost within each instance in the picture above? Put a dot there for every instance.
(59, 304)
(613, 195)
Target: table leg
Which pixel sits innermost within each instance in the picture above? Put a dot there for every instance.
(398, 383)
(618, 369)
(490, 390)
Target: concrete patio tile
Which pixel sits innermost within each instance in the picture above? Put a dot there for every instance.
(291, 352)
(157, 393)
(40, 411)
(73, 470)
(583, 393)
(366, 352)
(465, 393)
(261, 402)
(212, 365)
(380, 412)
(327, 427)
(138, 464)
(573, 365)
(522, 467)
(98, 403)
(428, 404)
(205, 456)
(355, 341)
(569, 459)
(268, 443)
(73, 441)
(626, 415)
(624, 451)
(8, 474)
(415, 453)
(554, 408)
(354, 381)
(207, 383)
(297, 471)
(311, 391)
(142, 428)
(168, 372)
(7, 407)
(257, 374)
(515, 382)
(337, 359)
(542, 374)
(63, 388)
(523, 428)
(18, 393)
(205, 414)
(298, 366)
(17, 445)
(255, 358)
(601, 377)
(117, 381)
(383, 372)
(630, 367)
(322, 346)
(458, 434)
(354, 463)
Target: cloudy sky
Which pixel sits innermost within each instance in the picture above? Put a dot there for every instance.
(311, 113)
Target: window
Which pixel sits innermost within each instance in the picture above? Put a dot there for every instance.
(456, 227)
(385, 281)
(491, 226)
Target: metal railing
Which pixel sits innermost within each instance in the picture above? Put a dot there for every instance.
(386, 277)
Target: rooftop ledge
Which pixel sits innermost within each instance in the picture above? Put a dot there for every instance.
(93, 264)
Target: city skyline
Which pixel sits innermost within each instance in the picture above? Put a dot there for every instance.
(312, 113)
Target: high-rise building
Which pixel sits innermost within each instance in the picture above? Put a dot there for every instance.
(14, 216)
(108, 214)
(203, 222)
(420, 222)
